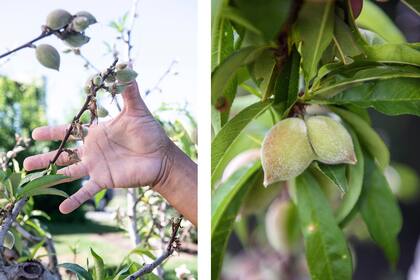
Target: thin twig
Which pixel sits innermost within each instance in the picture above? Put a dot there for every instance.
(172, 246)
(30, 43)
(84, 108)
(130, 29)
(164, 75)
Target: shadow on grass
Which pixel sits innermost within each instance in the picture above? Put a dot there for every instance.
(78, 228)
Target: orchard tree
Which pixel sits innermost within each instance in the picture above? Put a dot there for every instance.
(21, 233)
(291, 84)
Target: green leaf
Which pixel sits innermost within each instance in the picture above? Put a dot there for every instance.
(46, 191)
(32, 176)
(315, 25)
(42, 182)
(268, 16)
(263, 70)
(392, 97)
(235, 15)
(337, 174)
(414, 5)
(230, 132)
(226, 70)
(226, 203)
(327, 254)
(286, 88)
(222, 41)
(122, 271)
(349, 78)
(99, 265)
(393, 53)
(345, 42)
(36, 248)
(98, 197)
(78, 270)
(373, 18)
(380, 210)
(142, 251)
(355, 182)
(367, 136)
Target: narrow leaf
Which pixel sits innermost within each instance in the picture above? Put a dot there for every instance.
(226, 70)
(229, 133)
(393, 53)
(349, 78)
(286, 88)
(355, 182)
(327, 254)
(78, 270)
(99, 265)
(380, 210)
(42, 182)
(392, 97)
(375, 19)
(46, 191)
(268, 16)
(226, 203)
(315, 25)
(337, 174)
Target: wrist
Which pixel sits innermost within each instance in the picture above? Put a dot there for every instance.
(178, 182)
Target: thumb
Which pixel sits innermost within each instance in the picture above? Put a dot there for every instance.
(132, 98)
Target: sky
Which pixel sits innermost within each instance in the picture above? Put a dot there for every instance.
(164, 31)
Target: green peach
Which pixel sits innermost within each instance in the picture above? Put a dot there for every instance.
(286, 151)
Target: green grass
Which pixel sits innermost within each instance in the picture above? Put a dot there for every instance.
(111, 243)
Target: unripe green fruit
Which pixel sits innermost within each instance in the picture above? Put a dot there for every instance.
(57, 19)
(102, 112)
(97, 80)
(76, 40)
(48, 56)
(286, 151)
(80, 24)
(330, 140)
(281, 225)
(126, 75)
(9, 240)
(116, 88)
(89, 16)
(121, 66)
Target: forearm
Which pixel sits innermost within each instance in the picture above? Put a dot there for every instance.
(179, 184)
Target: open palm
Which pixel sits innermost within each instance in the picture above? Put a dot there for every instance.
(128, 151)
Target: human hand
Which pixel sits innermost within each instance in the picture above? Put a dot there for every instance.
(130, 150)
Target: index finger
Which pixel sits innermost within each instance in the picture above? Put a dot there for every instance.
(50, 133)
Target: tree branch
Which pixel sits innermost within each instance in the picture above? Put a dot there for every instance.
(84, 108)
(30, 43)
(172, 246)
